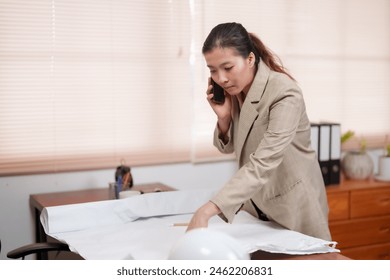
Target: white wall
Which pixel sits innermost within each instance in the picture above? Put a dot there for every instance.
(16, 216)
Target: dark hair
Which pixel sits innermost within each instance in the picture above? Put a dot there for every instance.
(234, 35)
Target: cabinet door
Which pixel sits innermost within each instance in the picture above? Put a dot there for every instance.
(373, 252)
(368, 203)
(338, 206)
(360, 232)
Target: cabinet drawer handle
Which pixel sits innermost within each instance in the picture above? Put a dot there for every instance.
(385, 200)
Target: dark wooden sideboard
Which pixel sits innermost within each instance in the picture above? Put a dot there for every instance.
(359, 218)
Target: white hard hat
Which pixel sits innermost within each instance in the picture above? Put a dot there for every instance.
(207, 244)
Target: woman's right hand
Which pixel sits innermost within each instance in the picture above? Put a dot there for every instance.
(201, 217)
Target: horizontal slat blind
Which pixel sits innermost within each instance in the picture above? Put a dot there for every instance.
(86, 83)
(337, 50)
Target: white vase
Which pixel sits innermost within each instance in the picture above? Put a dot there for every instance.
(384, 169)
(357, 165)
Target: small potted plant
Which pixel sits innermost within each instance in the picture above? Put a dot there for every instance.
(388, 151)
(384, 166)
(356, 165)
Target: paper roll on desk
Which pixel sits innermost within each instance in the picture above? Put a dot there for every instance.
(140, 227)
(127, 194)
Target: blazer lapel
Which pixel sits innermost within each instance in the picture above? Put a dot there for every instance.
(249, 111)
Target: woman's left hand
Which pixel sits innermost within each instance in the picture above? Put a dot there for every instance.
(201, 217)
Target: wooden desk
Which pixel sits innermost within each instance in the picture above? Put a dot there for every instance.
(261, 255)
(40, 201)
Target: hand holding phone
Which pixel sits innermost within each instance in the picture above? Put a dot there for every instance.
(219, 93)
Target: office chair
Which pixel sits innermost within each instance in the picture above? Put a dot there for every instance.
(35, 248)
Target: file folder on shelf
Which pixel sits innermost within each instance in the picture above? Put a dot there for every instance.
(335, 153)
(324, 151)
(326, 142)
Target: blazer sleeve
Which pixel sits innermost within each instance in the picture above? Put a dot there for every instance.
(284, 117)
(225, 145)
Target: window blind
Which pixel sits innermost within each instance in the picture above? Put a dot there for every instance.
(85, 84)
(337, 50)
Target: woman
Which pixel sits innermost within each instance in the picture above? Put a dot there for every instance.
(264, 121)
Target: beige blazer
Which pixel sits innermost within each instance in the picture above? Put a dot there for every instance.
(279, 171)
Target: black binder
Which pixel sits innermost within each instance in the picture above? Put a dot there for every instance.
(335, 153)
(324, 151)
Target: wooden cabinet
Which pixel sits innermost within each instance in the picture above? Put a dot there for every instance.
(359, 218)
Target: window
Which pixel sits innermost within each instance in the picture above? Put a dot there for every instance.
(337, 50)
(86, 83)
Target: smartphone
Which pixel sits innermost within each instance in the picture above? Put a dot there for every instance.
(219, 93)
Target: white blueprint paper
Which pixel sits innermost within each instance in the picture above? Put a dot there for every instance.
(76, 217)
(140, 227)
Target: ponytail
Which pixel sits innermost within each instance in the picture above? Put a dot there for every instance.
(234, 35)
(268, 57)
